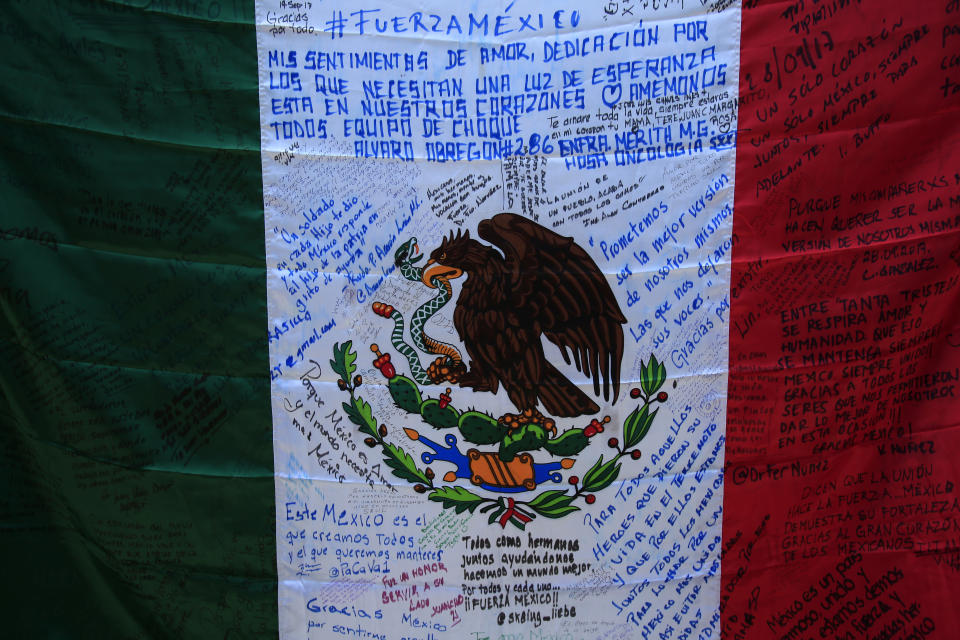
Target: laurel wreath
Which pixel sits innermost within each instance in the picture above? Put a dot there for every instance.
(554, 503)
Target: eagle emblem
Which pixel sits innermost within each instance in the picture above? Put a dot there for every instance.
(527, 284)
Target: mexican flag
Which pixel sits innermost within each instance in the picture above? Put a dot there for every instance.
(769, 190)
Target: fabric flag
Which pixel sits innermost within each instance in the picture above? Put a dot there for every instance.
(636, 320)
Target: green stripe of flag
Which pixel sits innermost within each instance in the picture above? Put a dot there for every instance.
(135, 429)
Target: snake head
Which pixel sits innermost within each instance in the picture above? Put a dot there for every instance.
(407, 253)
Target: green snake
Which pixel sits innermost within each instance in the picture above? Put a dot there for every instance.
(406, 257)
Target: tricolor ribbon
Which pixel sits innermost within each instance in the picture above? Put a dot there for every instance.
(512, 512)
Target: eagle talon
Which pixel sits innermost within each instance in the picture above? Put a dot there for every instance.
(514, 421)
(509, 421)
(443, 370)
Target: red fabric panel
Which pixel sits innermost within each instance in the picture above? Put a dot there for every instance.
(841, 514)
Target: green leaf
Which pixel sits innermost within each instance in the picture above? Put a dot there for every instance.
(559, 512)
(343, 360)
(458, 499)
(500, 508)
(337, 363)
(352, 414)
(349, 360)
(593, 469)
(360, 414)
(601, 475)
(637, 425)
(645, 377)
(403, 464)
(553, 504)
(549, 499)
(366, 414)
(652, 376)
(630, 425)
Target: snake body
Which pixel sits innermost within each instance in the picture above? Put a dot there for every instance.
(405, 258)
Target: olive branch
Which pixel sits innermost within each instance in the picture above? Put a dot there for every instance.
(360, 413)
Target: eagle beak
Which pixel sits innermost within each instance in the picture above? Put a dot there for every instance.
(433, 270)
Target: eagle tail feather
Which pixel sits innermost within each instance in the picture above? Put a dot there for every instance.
(616, 355)
(562, 398)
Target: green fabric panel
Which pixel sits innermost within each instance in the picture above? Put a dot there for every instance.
(136, 456)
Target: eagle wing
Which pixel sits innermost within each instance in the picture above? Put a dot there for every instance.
(553, 282)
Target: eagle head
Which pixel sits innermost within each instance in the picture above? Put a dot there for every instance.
(455, 255)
